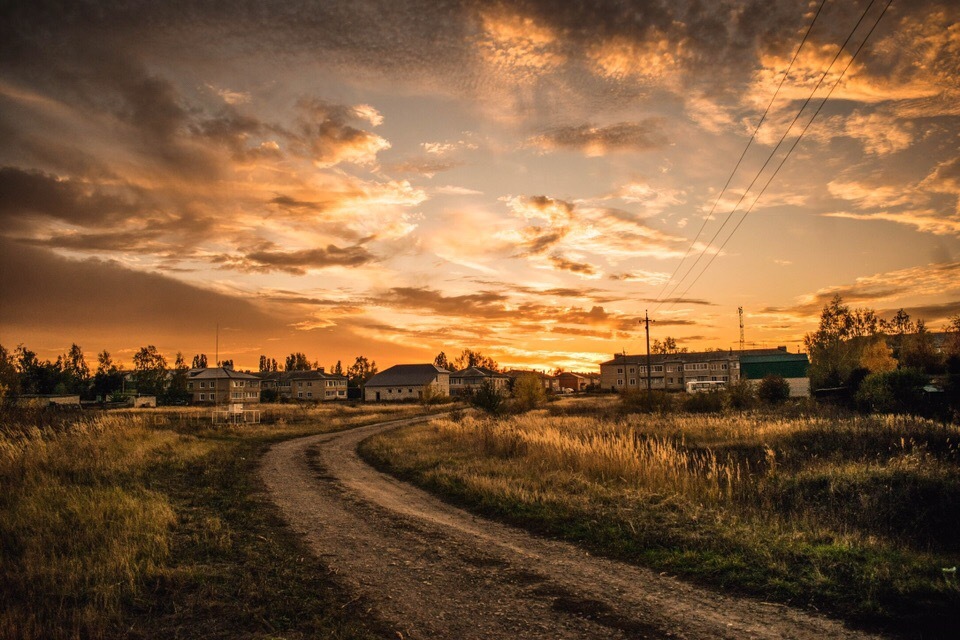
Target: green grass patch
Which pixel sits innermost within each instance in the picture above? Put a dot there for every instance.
(796, 510)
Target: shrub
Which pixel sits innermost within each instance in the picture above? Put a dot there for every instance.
(773, 389)
(741, 395)
(637, 401)
(487, 398)
(528, 392)
(709, 402)
(899, 391)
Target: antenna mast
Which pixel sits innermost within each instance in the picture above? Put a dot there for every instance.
(740, 313)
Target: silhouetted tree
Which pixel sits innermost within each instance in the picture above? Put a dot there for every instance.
(177, 390)
(360, 371)
(9, 378)
(470, 358)
(297, 362)
(150, 371)
(108, 380)
(441, 361)
(200, 361)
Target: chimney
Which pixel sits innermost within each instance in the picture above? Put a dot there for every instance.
(320, 370)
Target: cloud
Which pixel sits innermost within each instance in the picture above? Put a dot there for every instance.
(925, 220)
(299, 262)
(598, 141)
(35, 193)
(582, 269)
(94, 297)
(326, 137)
(428, 166)
(646, 277)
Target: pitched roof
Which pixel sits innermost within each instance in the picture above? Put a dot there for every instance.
(478, 372)
(214, 373)
(406, 374)
(313, 375)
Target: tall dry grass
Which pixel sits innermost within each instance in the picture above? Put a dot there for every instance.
(858, 514)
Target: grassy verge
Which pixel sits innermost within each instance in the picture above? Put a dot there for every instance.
(857, 517)
(153, 524)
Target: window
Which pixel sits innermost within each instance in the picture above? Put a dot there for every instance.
(309, 394)
(300, 394)
(620, 370)
(203, 385)
(410, 390)
(202, 396)
(189, 385)
(620, 382)
(237, 396)
(658, 368)
(309, 384)
(633, 381)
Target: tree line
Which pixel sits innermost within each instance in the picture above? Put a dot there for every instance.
(882, 365)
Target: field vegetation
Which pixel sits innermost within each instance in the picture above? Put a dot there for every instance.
(152, 523)
(854, 515)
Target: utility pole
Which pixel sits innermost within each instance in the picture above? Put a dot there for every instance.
(646, 322)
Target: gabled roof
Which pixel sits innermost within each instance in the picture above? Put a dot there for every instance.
(218, 373)
(312, 375)
(478, 372)
(407, 374)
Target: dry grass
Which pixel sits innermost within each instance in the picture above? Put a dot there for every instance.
(101, 513)
(858, 515)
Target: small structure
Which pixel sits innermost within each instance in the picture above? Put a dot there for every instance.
(573, 381)
(407, 382)
(792, 366)
(64, 401)
(139, 402)
(468, 380)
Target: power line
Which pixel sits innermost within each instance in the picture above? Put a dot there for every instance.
(792, 147)
(743, 154)
(773, 153)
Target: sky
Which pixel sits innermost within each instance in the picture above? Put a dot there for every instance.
(527, 179)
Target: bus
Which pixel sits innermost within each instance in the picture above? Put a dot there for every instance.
(705, 386)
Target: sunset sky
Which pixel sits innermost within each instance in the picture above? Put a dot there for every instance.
(396, 178)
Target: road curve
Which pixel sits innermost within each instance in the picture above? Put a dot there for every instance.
(434, 571)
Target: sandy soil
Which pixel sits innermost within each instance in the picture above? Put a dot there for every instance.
(434, 571)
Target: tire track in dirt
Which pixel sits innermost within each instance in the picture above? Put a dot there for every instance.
(434, 571)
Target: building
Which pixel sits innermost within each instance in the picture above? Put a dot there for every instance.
(672, 371)
(549, 383)
(407, 382)
(573, 381)
(792, 366)
(222, 385)
(469, 380)
(314, 385)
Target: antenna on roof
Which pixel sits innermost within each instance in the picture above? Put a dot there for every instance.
(217, 352)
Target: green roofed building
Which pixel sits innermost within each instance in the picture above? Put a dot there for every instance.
(792, 366)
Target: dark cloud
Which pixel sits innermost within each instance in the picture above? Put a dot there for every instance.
(298, 262)
(580, 268)
(623, 136)
(106, 299)
(34, 193)
(138, 240)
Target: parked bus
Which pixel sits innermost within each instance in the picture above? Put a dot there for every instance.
(705, 386)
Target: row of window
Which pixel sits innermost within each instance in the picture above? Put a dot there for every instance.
(658, 382)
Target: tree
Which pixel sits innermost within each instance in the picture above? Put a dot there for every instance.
(360, 371)
(337, 369)
(264, 364)
(487, 398)
(951, 345)
(200, 361)
(441, 361)
(9, 378)
(668, 346)
(528, 392)
(469, 358)
(835, 347)
(108, 380)
(877, 356)
(227, 364)
(76, 373)
(899, 391)
(36, 376)
(297, 362)
(773, 389)
(918, 351)
(177, 392)
(149, 371)
(898, 327)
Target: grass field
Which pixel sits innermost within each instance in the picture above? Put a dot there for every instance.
(152, 523)
(855, 516)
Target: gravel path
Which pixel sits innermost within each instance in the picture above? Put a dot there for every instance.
(434, 571)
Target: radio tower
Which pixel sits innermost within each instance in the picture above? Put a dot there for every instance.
(740, 312)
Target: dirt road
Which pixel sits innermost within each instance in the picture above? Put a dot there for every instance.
(434, 571)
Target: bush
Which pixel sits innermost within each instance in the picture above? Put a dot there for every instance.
(528, 393)
(709, 402)
(487, 398)
(637, 401)
(773, 389)
(741, 395)
(899, 391)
